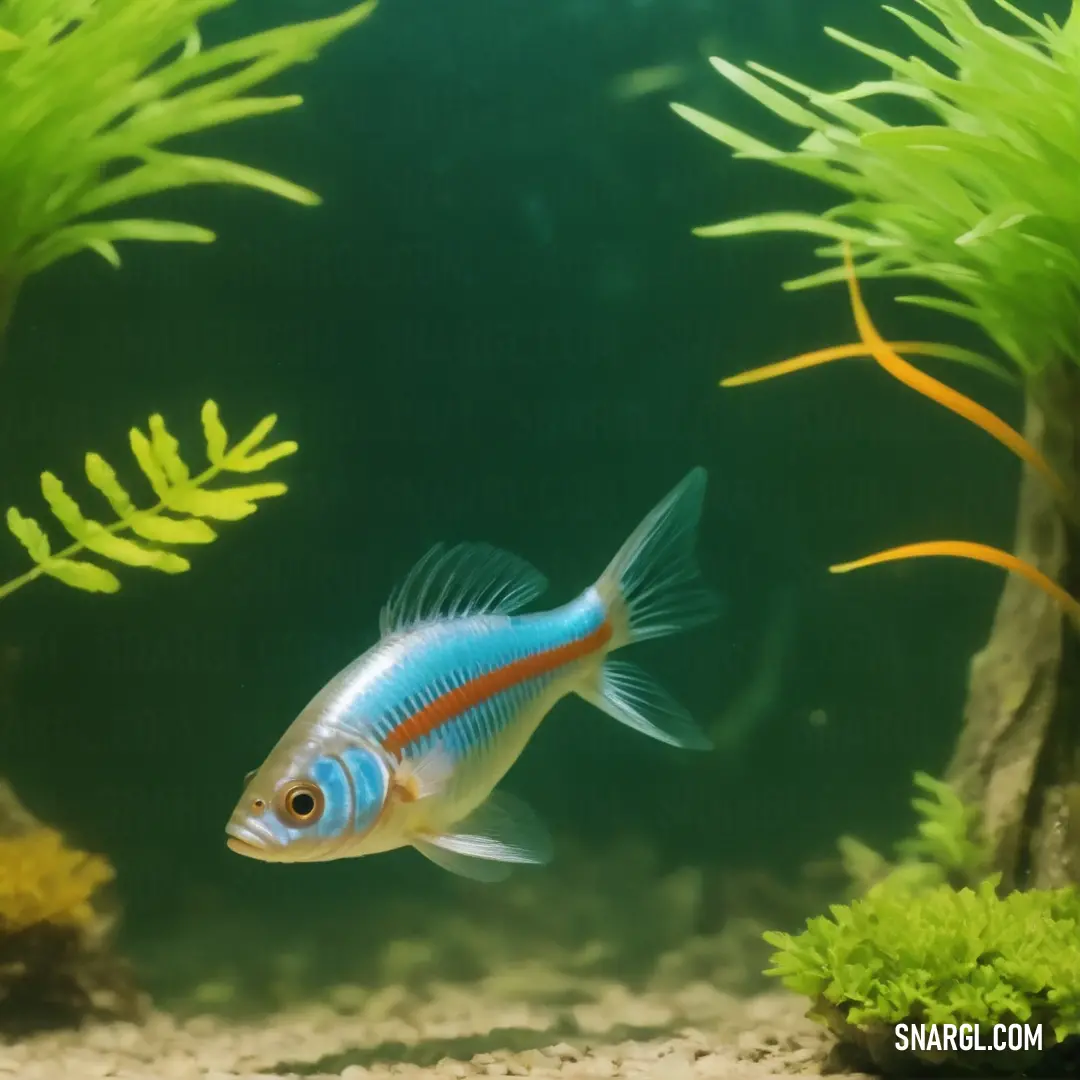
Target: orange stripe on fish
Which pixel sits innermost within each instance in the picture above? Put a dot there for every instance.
(453, 703)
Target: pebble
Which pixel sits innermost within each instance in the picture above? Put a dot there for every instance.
(449, 1067)
(564, 1051)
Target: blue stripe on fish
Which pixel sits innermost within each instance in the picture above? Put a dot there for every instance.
(490, 658)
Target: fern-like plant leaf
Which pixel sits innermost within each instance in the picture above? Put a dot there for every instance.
(176, 517)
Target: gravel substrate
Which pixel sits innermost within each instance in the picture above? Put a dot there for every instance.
(693, 1032)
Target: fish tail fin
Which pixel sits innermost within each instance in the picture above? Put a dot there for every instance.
(652, 587)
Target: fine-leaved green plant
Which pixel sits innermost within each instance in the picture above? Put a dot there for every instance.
(89, 92)
(982, 198)
(947, 833)
(176, 517)
(947, 845)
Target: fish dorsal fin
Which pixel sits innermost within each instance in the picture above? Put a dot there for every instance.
(467, 579)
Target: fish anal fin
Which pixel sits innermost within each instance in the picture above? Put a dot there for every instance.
(633, 697)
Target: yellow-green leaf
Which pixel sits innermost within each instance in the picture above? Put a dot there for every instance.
(261, 458)
(106, 250)
(137, 535)
(82, 575)
(223, 505)
(217, 438)
(251, 440)
(144, 455)
(118, 548)
(256, 491)
(167, 530)
(30, 534)
(65, 509)
(99, 235)
(167, 451)
(102, 475)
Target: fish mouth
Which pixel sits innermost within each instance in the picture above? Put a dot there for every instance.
(245, 840)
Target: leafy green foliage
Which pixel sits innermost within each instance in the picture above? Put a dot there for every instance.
(940, 955)
(187, 498)
(90, 89)
(946, 847)
(916, 948)
(981, 199)
(947, 831)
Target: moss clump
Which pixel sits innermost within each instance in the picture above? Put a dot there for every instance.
(57, 967)
(930, 941)
(935, 956)
(44, 881)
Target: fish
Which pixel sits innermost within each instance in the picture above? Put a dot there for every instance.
(404, 747)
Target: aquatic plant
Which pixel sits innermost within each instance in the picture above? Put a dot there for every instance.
(89, 92)
(938, 955)
(977, 198)
(982, 203)
(947, 831)
(56, 961)
(980, 199)
(947, 845)
(187, 498)
(42, 880)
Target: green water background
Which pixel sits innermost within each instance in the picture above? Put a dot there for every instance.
(497, 327)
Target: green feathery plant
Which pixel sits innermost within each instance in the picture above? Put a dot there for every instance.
(948, 832)
(91, 89)
(983, 198)
(947, 846)
(186, 496)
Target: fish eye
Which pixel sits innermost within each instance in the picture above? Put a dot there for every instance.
(301, 803)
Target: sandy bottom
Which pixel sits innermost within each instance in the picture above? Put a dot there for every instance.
(598, 1030)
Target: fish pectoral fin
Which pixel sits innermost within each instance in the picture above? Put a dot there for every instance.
(634, 698)
(425, 776)
(501, 829)
(464, 865)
